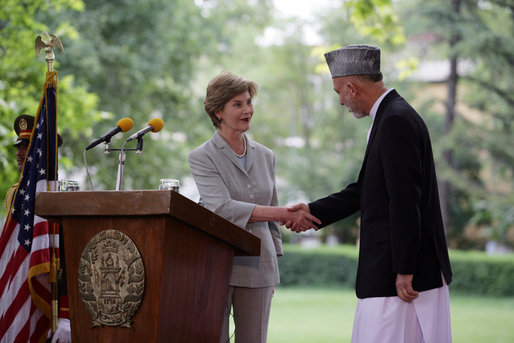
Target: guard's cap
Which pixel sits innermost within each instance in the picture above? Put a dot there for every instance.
(23, 125)
(359, 59)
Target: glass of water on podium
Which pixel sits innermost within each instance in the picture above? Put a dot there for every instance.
(170, 184)
(68, 185)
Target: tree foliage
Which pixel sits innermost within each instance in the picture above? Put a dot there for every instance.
(22, 75)
(141, 59)
(146, 59)
(480, 33)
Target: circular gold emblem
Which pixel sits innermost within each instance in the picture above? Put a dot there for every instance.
(111, 279)
(23, 124)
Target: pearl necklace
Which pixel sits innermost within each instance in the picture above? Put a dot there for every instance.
(244, 152)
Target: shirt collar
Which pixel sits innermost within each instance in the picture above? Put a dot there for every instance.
(374, 109)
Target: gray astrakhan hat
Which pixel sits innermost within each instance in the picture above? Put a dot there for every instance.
(354, 60)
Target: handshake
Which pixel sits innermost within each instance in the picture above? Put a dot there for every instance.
(298, 218)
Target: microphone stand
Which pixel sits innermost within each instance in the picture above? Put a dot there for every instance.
(122, 157)
(121, 166)
(139, 147)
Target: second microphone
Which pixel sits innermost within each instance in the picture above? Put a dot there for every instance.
(154, 125)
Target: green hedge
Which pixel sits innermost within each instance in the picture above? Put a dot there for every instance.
(478, 273)
(473, 272)
(318, 267)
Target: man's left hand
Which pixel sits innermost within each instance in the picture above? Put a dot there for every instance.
(404, 287)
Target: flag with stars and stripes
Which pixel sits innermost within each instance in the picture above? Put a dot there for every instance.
(29, 245)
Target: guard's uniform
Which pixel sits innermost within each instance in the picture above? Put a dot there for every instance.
(9, 196)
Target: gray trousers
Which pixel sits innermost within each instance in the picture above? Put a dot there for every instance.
(251, 309)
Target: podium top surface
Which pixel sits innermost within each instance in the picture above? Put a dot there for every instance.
(56, 205)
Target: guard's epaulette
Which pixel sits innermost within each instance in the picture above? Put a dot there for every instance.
(9, 197)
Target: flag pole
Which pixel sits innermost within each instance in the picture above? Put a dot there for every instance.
(48, 43)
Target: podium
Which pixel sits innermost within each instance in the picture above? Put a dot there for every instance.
(186, 252)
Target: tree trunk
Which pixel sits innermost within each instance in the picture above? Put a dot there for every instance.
(446, 186)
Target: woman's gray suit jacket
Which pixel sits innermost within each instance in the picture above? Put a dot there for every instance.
(232, 192)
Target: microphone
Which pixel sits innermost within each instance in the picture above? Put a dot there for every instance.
(154, 125)
(123, 125)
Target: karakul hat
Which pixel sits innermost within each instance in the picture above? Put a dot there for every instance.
(359, 59)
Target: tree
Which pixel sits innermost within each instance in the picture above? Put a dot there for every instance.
(466, 31)
(154, 59)
(22, 75)
(462, 30)
(142, 60)
(490, 92)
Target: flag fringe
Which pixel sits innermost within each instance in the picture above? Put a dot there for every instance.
(39, 301)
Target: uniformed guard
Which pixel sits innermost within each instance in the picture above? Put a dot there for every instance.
(23, 126)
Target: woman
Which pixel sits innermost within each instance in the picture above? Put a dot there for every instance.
(236, 179)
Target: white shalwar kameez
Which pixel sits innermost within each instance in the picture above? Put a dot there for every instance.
(391, 320)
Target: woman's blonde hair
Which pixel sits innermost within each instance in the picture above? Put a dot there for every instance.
(221, 89)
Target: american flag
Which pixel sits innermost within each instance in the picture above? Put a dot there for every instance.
(29, 245)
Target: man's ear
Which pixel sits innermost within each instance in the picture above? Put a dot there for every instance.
(352, 88)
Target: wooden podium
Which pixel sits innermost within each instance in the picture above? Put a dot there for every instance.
(186, 250)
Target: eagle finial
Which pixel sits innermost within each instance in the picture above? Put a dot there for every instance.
(48, 44)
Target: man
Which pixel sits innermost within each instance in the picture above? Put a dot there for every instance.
(403, 268)
(23, 126)
(22, 129)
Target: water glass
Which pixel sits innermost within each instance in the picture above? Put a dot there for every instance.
(68, 185)
(169, 184)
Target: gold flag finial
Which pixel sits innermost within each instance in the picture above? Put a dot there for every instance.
(48, 44)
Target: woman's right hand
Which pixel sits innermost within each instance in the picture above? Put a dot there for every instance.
(299, 219)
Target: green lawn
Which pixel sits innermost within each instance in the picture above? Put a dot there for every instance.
(325, 315)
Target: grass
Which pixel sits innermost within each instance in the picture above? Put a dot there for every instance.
(325, 315)
(309, 315)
